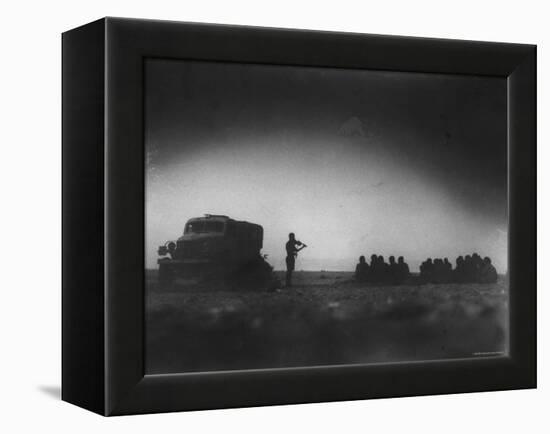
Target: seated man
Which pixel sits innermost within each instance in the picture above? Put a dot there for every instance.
(362, 270)
(384, 270)
(458, 272)
(402, 269)
(393, 271)
(439, 270)
(487, 272)
(470, 274)
(423, 269)
(477, 264)
(426, 270)
(374, 270)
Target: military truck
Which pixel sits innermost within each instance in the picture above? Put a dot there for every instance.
(215, 247)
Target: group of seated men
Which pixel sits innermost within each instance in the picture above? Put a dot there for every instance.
(469, 269)
(378, 271)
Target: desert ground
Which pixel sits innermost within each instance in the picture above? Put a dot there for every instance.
(326, 318)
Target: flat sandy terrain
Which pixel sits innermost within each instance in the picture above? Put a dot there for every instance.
(326, 318)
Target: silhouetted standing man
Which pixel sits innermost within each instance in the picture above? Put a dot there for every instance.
(291, 253)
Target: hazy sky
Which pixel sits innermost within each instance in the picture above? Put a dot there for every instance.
(354, 162)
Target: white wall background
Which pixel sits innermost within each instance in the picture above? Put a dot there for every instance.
(30, 183)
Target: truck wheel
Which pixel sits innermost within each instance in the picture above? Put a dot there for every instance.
(255, 274)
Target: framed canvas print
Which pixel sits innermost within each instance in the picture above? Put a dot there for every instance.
(264, 216)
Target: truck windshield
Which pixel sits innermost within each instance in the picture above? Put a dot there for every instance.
(204, 226)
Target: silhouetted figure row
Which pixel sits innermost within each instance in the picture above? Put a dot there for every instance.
(378, 271)
(468, 269)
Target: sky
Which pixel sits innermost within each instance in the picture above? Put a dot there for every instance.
(354, 162)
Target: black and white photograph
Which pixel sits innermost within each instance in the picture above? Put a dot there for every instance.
(314, 216)
(275, 217)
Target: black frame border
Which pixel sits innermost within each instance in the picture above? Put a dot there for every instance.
(127, 43)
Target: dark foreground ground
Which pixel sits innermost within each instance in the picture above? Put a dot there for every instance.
(325, 319)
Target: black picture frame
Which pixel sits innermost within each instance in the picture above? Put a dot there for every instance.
(103, 216)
